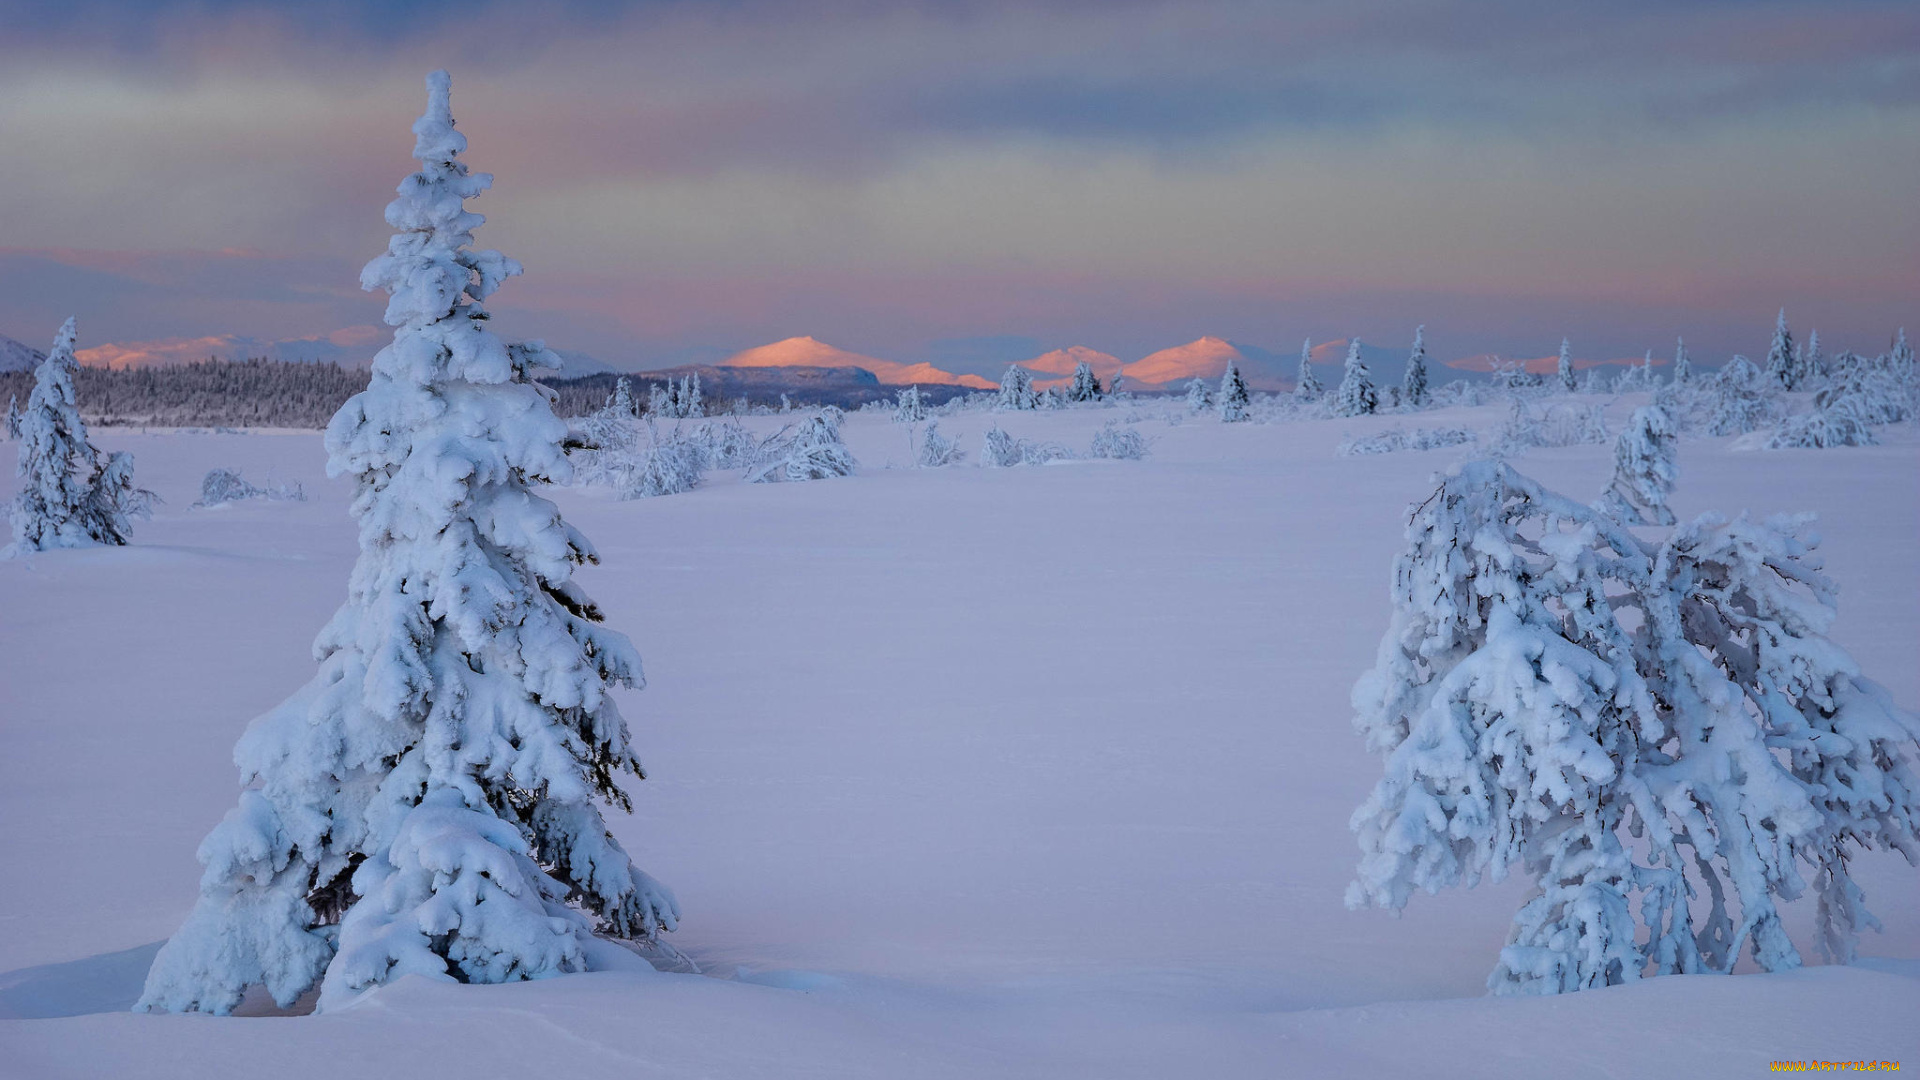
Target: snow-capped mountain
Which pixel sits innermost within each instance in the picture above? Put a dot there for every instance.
(17, 357)
(809, 352)
(1206, 358)
(1063, 361)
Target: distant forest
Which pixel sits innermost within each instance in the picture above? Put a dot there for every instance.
(286, 394)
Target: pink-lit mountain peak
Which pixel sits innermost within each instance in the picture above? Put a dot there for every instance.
(811, 352)
(1063, 361)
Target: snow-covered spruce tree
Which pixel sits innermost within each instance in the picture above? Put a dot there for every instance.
(659, 399)
(1623, 720)
(1644, 470)
(692, 403)
(1813, 365)
(1682, 366)
(910, 407)
(1234, 398)
(1782, 371)
(428, 804)
(1356, 396)
(1308, 387)
(1016, 390)
(1199, 396)
(1413, 388)
(13, 417)
(69, 495)
(1565, 369)
(1085, 385)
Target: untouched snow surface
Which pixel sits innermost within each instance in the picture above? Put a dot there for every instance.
(1040, 771)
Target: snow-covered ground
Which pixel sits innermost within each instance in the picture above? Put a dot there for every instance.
(1039, 771)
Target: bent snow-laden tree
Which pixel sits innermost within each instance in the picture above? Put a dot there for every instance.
(429, 803)
(70, 496)
(1638, 726)
(1643, 470)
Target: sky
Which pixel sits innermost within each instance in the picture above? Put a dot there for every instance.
(971, 183)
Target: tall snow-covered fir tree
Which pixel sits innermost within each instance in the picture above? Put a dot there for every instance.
(1812, 364)
(1782, 368)
(1629, 723)
(1234, 398)
(1356, 396)
(430, 803)
(1682, 366)
(1567, 383)
(1644, 470)
(70, 495)
(1413, 388)
(1308, 387)
(1085, 385)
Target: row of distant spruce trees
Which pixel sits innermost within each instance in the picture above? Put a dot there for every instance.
(1651, 726)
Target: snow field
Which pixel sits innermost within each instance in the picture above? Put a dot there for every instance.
(1028, 771)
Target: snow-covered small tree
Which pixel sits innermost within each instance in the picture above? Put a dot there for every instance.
(1813, 365)
(1016, 390)
(1307, 387)
(1234, 398)
(1199, 395)
(1413, 388)
(1084, 385)
(1565, 368)
(692, 404)
(1742, 399)
(1682, 366)
(1781, 370)
(936, 450)
(13, 417)
(1356, 396)
(660, 399)
(815, 452)
(1624, 720)
(910, 407)
(70, 494)
(1644, 470)
(429, 803)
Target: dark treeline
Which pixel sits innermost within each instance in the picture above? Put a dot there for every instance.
(210, 393)
(285, 394)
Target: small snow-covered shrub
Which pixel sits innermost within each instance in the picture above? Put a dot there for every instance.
(1624, 721)
(1822, 429)
(670, 464)
(1002, 450)
(1395, 440)
(814, 452)
(1562, 423)
(725, 445)
(1199, 396)
(222, 486)
(1114, 441)
(936, 450)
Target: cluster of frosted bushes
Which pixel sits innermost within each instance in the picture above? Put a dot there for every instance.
(1002, 450)
(222, 486)
(1396, 440)
(1559, 424)
(643, 459)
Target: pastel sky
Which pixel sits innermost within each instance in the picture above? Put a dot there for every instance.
(963, 181)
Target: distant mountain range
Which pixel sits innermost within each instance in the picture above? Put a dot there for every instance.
(787, 365)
